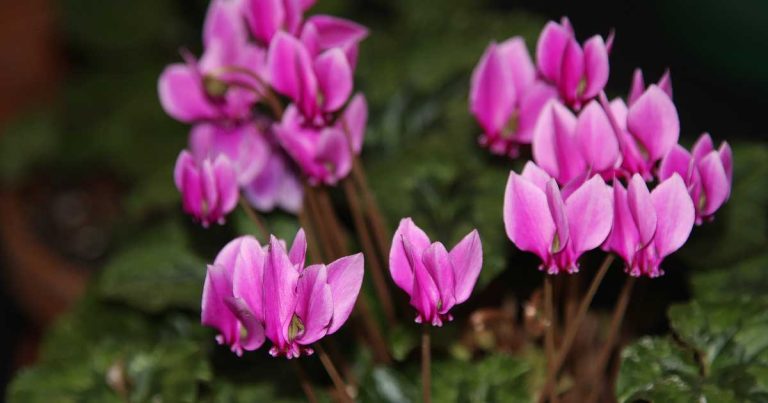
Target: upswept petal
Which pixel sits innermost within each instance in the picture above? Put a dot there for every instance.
(597, 141)
(280, 281)
(298, 252)
(248, 278)
(334, 78)
(550, 48)
(596, 67)
(559, 217)
(590, 215)
(715, 182)
(515, 57)
(223, 23)
(399, 262)
(182, 95)
(653, 120)
(354, 121)
(424, 295)
(677, 161)
(726, 156)
(265, 18)
(624, 237)
(215, 313)
(492, 93)
(336, 32)
(572, 71)
(637, 87)
(467, 260)
(254, 328)
(291, 72)
(314, 305)
(702, 147)
(531, 106)
(527, 219)
(536, 175)
(345, 277)
(675, 213)
(438, 264)
(226, 184)
(642, 209)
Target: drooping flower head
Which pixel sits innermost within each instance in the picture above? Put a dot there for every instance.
(208, 187)
(648, 226)
(243, 144)
(434, 278)
(707, 173)
(269, 293)
(558, 226)
(579, 73)
(506, 97)
(568, 147)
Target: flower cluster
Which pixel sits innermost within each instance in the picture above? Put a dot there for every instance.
(560, 206)
(253, 293)
(253, 49)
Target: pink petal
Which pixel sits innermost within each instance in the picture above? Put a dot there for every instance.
(637, 87)
(215, 313)
(182, 95)
(298, 252)
(354, 121)
(554, 142)
(550, 48)
(314, 305)
(677, 161)
(642, 210)
(280, 281)
(665, 83)
(726, 156)
(536, 175)
(400, 267)
(572, 71)
(715, 181)
(590, 215)
(438, 264)
(335, 32)
(557, 209)
(515, 57)
(223, 22)
(334, 151)
(291, 72)
(492, 94)
(527, 219)
(653, 120)
(596, 138)
(702, 147)
(248, 278)
(624, 239)
(254, 328)
(596, 68)
(345, 277)
(675, 213)
(265, 18)
(425, 294)
(467, 260)
(334, 78)
(226, 184)
(531, 106)
(183, 161)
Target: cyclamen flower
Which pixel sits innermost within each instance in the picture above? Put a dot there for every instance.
(567, 147)
(209, 188)
(558, 227)
(505, 96)
(269, 293)
(276, 185)
(707, 173)
(318, 85)
(648, 226)
(578, 73)
(215, 88)
(647, 131)
(435, 279)
(638, 85)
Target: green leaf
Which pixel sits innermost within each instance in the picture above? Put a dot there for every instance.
(748, 277)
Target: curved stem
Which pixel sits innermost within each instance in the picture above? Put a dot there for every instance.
(610, 341)
(341, 387)
(573, 328)
(426, 370)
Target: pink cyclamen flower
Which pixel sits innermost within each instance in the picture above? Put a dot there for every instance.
(578, 73)
(558, 228)
(434, 278)
(215, 87)
(243, 144)
(646, 131)
(318, 85)
(568, 147)
(638, 85)
(505, 97)
(708, 173)
(277, 185)
(324, 154)
(208, 187)
(253, 293)
(648, 226)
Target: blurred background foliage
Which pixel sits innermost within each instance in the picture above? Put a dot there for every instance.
(135, 336)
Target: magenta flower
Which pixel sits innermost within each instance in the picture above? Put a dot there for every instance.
(277, 185)
(210, 89)
(323, 32)
(324, 154)
(318, 85)
(505, 96)
(567, 147)
(647, 131)
(243, 144)
(578, 73)
(648, 226)
(253, 292)
(266, 17)
(434, 278)
(638, 85)
(209, 189)
(708, 174)
(557, 227)
(238, 326)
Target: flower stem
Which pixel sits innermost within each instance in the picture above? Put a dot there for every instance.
(613, 332)
(573, 328)
(371, 208)
(426, 370)
(304, 381)
(377, 272)
(341, 387)
(549, 336)
(254, 216)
